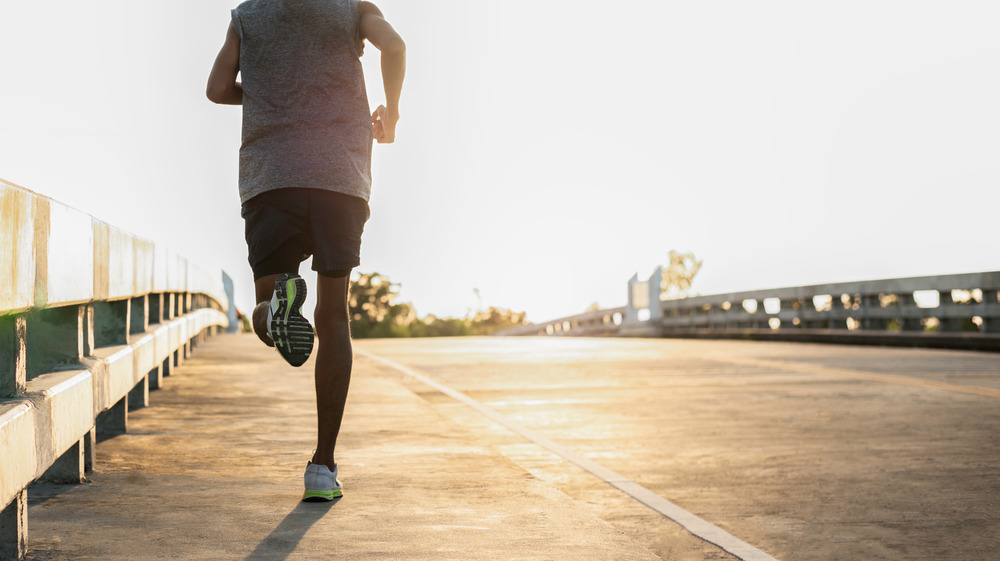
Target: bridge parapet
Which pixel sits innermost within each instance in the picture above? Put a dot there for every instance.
(595, 323)
(91, 319)
(954, 311)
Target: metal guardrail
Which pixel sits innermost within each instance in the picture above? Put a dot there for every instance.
(953, 311)
(91, 319)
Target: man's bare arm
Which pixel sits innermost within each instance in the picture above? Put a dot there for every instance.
(376, 29)
(222, 84)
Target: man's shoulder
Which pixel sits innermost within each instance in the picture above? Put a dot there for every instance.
(270, 6)
(251, 6)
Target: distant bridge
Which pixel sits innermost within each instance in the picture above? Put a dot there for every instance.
(947, 311)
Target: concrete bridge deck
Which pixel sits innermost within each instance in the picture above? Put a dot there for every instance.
(806, 452)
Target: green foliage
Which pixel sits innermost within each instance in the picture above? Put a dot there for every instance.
(678, 275)
(374, 313)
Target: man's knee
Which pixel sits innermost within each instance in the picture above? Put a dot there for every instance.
(332, 312)
(331, 318)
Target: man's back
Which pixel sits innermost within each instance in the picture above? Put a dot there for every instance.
(306, 119)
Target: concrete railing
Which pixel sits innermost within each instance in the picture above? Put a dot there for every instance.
(595, 323)
(954, 311)
(91, 319)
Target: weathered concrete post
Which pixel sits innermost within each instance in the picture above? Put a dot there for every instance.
(139, 315)
(89, 342)
(114, 420)
(14, 529)
(90, 450)
(70, 466)
(158, 312)
(154, 378)
(13, 356)
(139, 396)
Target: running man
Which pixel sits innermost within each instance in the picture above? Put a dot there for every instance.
(305, 177)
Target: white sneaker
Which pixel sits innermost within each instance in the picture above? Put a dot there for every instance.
(321, 483)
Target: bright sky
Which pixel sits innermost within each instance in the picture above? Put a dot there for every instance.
(550, 149)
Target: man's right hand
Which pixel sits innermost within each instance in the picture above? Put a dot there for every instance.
(392, 51)
(384, 125)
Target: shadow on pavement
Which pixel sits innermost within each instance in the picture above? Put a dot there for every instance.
(40, 491)
(283, 540)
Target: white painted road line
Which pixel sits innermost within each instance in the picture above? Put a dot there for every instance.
(693, 524)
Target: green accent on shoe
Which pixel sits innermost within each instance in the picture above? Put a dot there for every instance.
(290, 288)
(322, 495)
(291, 332)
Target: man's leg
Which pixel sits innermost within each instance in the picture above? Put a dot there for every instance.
(334, 359)
(264, 289)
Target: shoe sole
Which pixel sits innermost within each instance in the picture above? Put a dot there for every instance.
(292, 333)
(321, 496)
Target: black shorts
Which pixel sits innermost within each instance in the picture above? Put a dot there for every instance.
(285, 226)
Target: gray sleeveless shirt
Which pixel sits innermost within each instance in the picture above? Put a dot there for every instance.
(306, 120)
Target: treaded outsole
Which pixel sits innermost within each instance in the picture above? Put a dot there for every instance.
(292, 333)
(307, 498)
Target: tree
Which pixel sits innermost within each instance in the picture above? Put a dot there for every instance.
(678, 274)
(495, 319)
(373, 310)
(374, 313)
